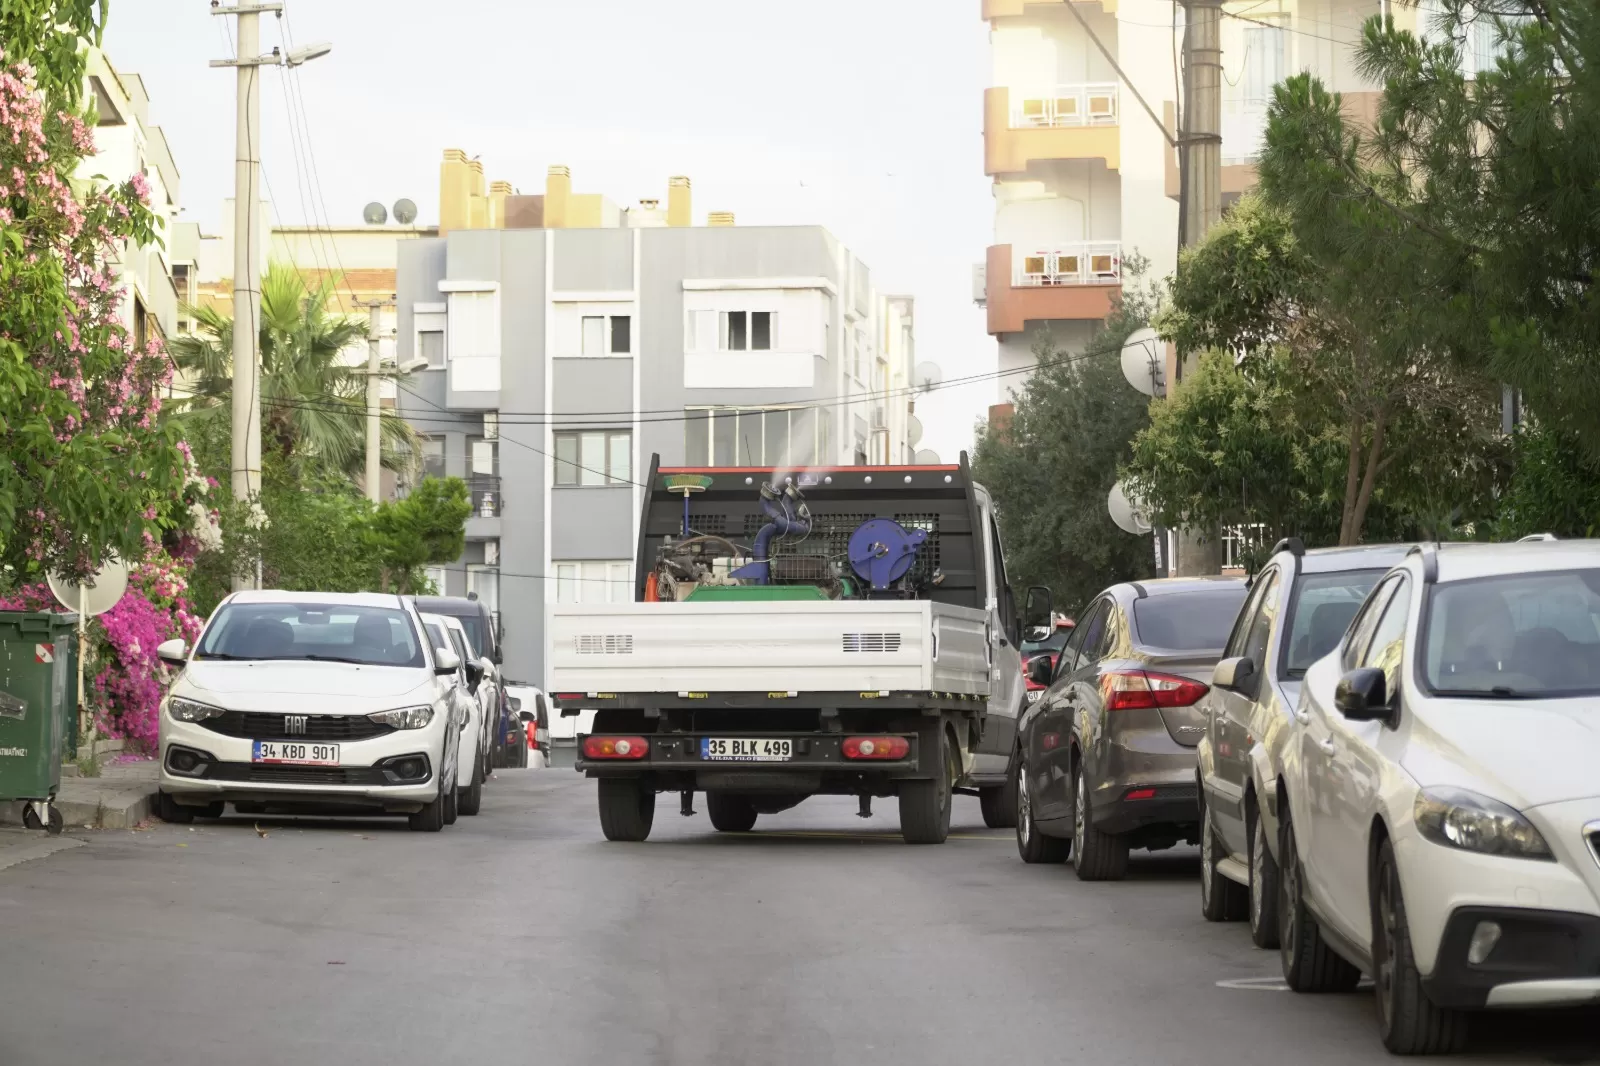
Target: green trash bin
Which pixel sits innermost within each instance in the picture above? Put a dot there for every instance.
(36, 689)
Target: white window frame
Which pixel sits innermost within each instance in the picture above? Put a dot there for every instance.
(585, 580)
(473, 346)
(707, 331)
(613, 442)
(707, 424)
(608, 333)
(478, 571)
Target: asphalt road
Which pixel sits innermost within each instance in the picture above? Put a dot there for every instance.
(520, 936)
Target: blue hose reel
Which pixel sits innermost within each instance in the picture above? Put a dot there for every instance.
(882, 551)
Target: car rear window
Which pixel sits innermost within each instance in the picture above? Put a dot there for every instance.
(1188, 621)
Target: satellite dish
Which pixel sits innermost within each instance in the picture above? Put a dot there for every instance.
(95, 596)
(913, 430)
(1144, 362)
(1128, 518)
(405, 212)
(927, 457)
(926, 377)
(374, 214)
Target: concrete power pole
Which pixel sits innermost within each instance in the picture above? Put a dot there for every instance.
(1200, 551)
(374, 472)
(246, 458)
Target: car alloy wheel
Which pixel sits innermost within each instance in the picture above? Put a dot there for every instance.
(1208, 865)
(1264, 875)
(1080, 801)
(1024, 807)
(1288, 902)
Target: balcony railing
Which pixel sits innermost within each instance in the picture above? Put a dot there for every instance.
(1088, 263)
(1092, 104)
(485, 492)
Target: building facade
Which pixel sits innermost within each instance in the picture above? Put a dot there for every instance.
(127, 143)
(1085, 178)
(562, 359)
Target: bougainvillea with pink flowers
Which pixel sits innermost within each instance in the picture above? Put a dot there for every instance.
(87, 464)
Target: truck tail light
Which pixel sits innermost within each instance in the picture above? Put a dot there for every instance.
(615, 747)
(875, 747)
(1127, 690)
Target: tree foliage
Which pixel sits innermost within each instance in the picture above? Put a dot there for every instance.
(1052, 467)
(84, 462)
(314, 402)
(428, 525)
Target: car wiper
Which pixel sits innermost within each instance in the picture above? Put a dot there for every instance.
(227, 657)
(333, 659)
(1499, 692)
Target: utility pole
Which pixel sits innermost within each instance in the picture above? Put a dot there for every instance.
(374, 440)
(1200, 142)
(245, 466)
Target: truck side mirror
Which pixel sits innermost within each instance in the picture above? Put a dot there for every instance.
(1037, 612)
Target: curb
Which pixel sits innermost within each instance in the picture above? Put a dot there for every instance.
(121, 808)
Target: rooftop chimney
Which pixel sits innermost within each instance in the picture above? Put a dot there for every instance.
(720, 218)
(679, 211)
(557, 195)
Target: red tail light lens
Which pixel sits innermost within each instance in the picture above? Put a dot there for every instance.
(533, 736)
(1126, 690)
(1141, 794)
(569, 695)
(879, 747)
(615, 747)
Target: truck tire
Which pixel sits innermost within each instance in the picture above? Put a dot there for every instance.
(627, 808)
(999, 805)
(730, 813)
(925, 805)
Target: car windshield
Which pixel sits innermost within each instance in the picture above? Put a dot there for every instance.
(1054, 642)
(1518, 636)
(313, 632)
(1320, 612)
(1188, 621)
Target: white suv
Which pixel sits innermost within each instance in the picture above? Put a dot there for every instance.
(295, 698)
(1440, 806)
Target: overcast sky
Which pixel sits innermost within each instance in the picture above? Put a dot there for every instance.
(864, 116)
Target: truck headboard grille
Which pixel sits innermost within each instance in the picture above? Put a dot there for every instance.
(603, 644)
(871, 642)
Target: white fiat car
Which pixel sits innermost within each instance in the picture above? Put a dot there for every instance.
(1441, 821)
(297, 698)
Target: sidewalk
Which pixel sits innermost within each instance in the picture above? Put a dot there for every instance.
(120, 798)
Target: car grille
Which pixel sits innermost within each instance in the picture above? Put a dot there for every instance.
(257, 725)
(259, 774)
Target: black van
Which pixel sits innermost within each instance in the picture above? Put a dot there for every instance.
(509, 747)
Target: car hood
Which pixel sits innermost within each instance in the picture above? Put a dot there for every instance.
(1525, 753)
(247, 685)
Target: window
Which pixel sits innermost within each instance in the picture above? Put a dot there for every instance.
(484, 582)
(594, 458)
(594, 581)
(607, 335)
(483, 456)
(730, 331)
(376, 636)
(1265, 48)
(1094, 638)
(1520, 635)
(1260, 632)
(436, 577)
(751, 437)
(1188, 621)
(1320, 612)
(430, 346)
(1366, 619)
(432, 451)
(1389, 639)
(474, 325)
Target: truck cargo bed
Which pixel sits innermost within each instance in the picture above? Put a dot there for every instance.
(826, 646)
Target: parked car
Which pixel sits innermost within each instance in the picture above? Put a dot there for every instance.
(1105, 759)
(1300, 605)
(297, 698)
(474, 766)
(1048, 644)
(1441, 821)
(531, 710)
(483, 636)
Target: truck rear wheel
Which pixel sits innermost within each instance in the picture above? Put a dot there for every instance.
(730, 813)
(627, 808)
(925, 805)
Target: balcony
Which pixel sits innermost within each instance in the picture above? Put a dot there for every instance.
(1062, 122)
(1074, 282)
(483, 523)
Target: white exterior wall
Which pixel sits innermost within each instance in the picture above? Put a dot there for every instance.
(1149, 216)
(1065, 200)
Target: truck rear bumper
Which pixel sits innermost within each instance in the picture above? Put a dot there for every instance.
(816, 764)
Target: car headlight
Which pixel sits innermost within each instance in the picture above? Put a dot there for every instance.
(1457, 818)
(183, 710)
(404, 717)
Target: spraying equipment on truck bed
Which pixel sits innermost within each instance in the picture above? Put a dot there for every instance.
(876, 563)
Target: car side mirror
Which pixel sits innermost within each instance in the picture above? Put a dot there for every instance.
(474, 672)
(1237, 674)
(1362, 695)
(514, 702)
(445, 661)
(1039, 669)
(173, 652)
(499, 656)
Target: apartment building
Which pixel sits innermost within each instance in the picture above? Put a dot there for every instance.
(127, 143)
(1085, 177)
(562, 357)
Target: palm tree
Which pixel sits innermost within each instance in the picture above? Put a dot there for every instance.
(313, 402)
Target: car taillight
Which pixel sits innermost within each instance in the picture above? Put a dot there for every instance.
(615, 747)
(879, 747)
(533, 736)
(1127, 690)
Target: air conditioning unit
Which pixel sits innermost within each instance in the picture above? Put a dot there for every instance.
(491, 425)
